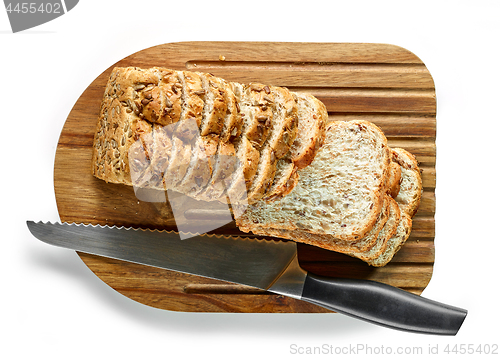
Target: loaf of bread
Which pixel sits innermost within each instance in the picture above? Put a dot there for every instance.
(204, 137)
(266, 151)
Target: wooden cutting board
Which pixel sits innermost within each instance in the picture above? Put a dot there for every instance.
(385, 84)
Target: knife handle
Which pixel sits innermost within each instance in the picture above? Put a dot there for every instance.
(382, 304)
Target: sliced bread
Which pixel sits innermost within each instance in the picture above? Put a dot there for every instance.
(394, 243)
(387, 232)
(277, 144)
(328, 242)
(411, 181)
(285, 179)
(312, 116)
(215, 105)
(340, 193)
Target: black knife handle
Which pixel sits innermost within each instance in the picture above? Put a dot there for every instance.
(382, 304)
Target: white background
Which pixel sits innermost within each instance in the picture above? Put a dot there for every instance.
(52, 304)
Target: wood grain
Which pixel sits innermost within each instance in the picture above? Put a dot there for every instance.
(385, 84)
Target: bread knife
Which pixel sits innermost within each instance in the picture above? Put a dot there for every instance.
(260, 263)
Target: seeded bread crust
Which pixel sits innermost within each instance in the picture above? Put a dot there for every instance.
(256, 103)
(285, 122)
(233, 122)
(160, 104)
(145, 135)
(279, 139)
(215, 107)
(193, 96)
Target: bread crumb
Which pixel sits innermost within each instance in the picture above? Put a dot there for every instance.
(222, 58)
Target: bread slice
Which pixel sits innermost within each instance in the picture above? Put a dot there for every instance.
(279, 140)
(178, 163)
(256, 104)
(387, 232)
(205, 143)
(160, 104)
(408, 200)
(285, 179)
(327, 241)
(256, 121)
(225, 162)
(200, 169)
(246, 166)
(411, 181)
(215, 105)
(160, 156)
(233, 122)
(340, 193)
(312, 116)
(394, 179)
(370, 246)
(394, 243)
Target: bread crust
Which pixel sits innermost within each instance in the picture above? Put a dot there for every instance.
(193, 103)
(394, 179)
(215, 108)
(255, 102)
(279, 139)
(161, 104)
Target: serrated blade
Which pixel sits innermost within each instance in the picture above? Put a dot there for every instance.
(252, 262)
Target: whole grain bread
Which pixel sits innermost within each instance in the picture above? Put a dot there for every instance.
(340, 193)
(279, 139)
(408, 200)
(145, 113)
(312, 116)
(389, 233)
(327, 185)
(411, 181)
(329, 242)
